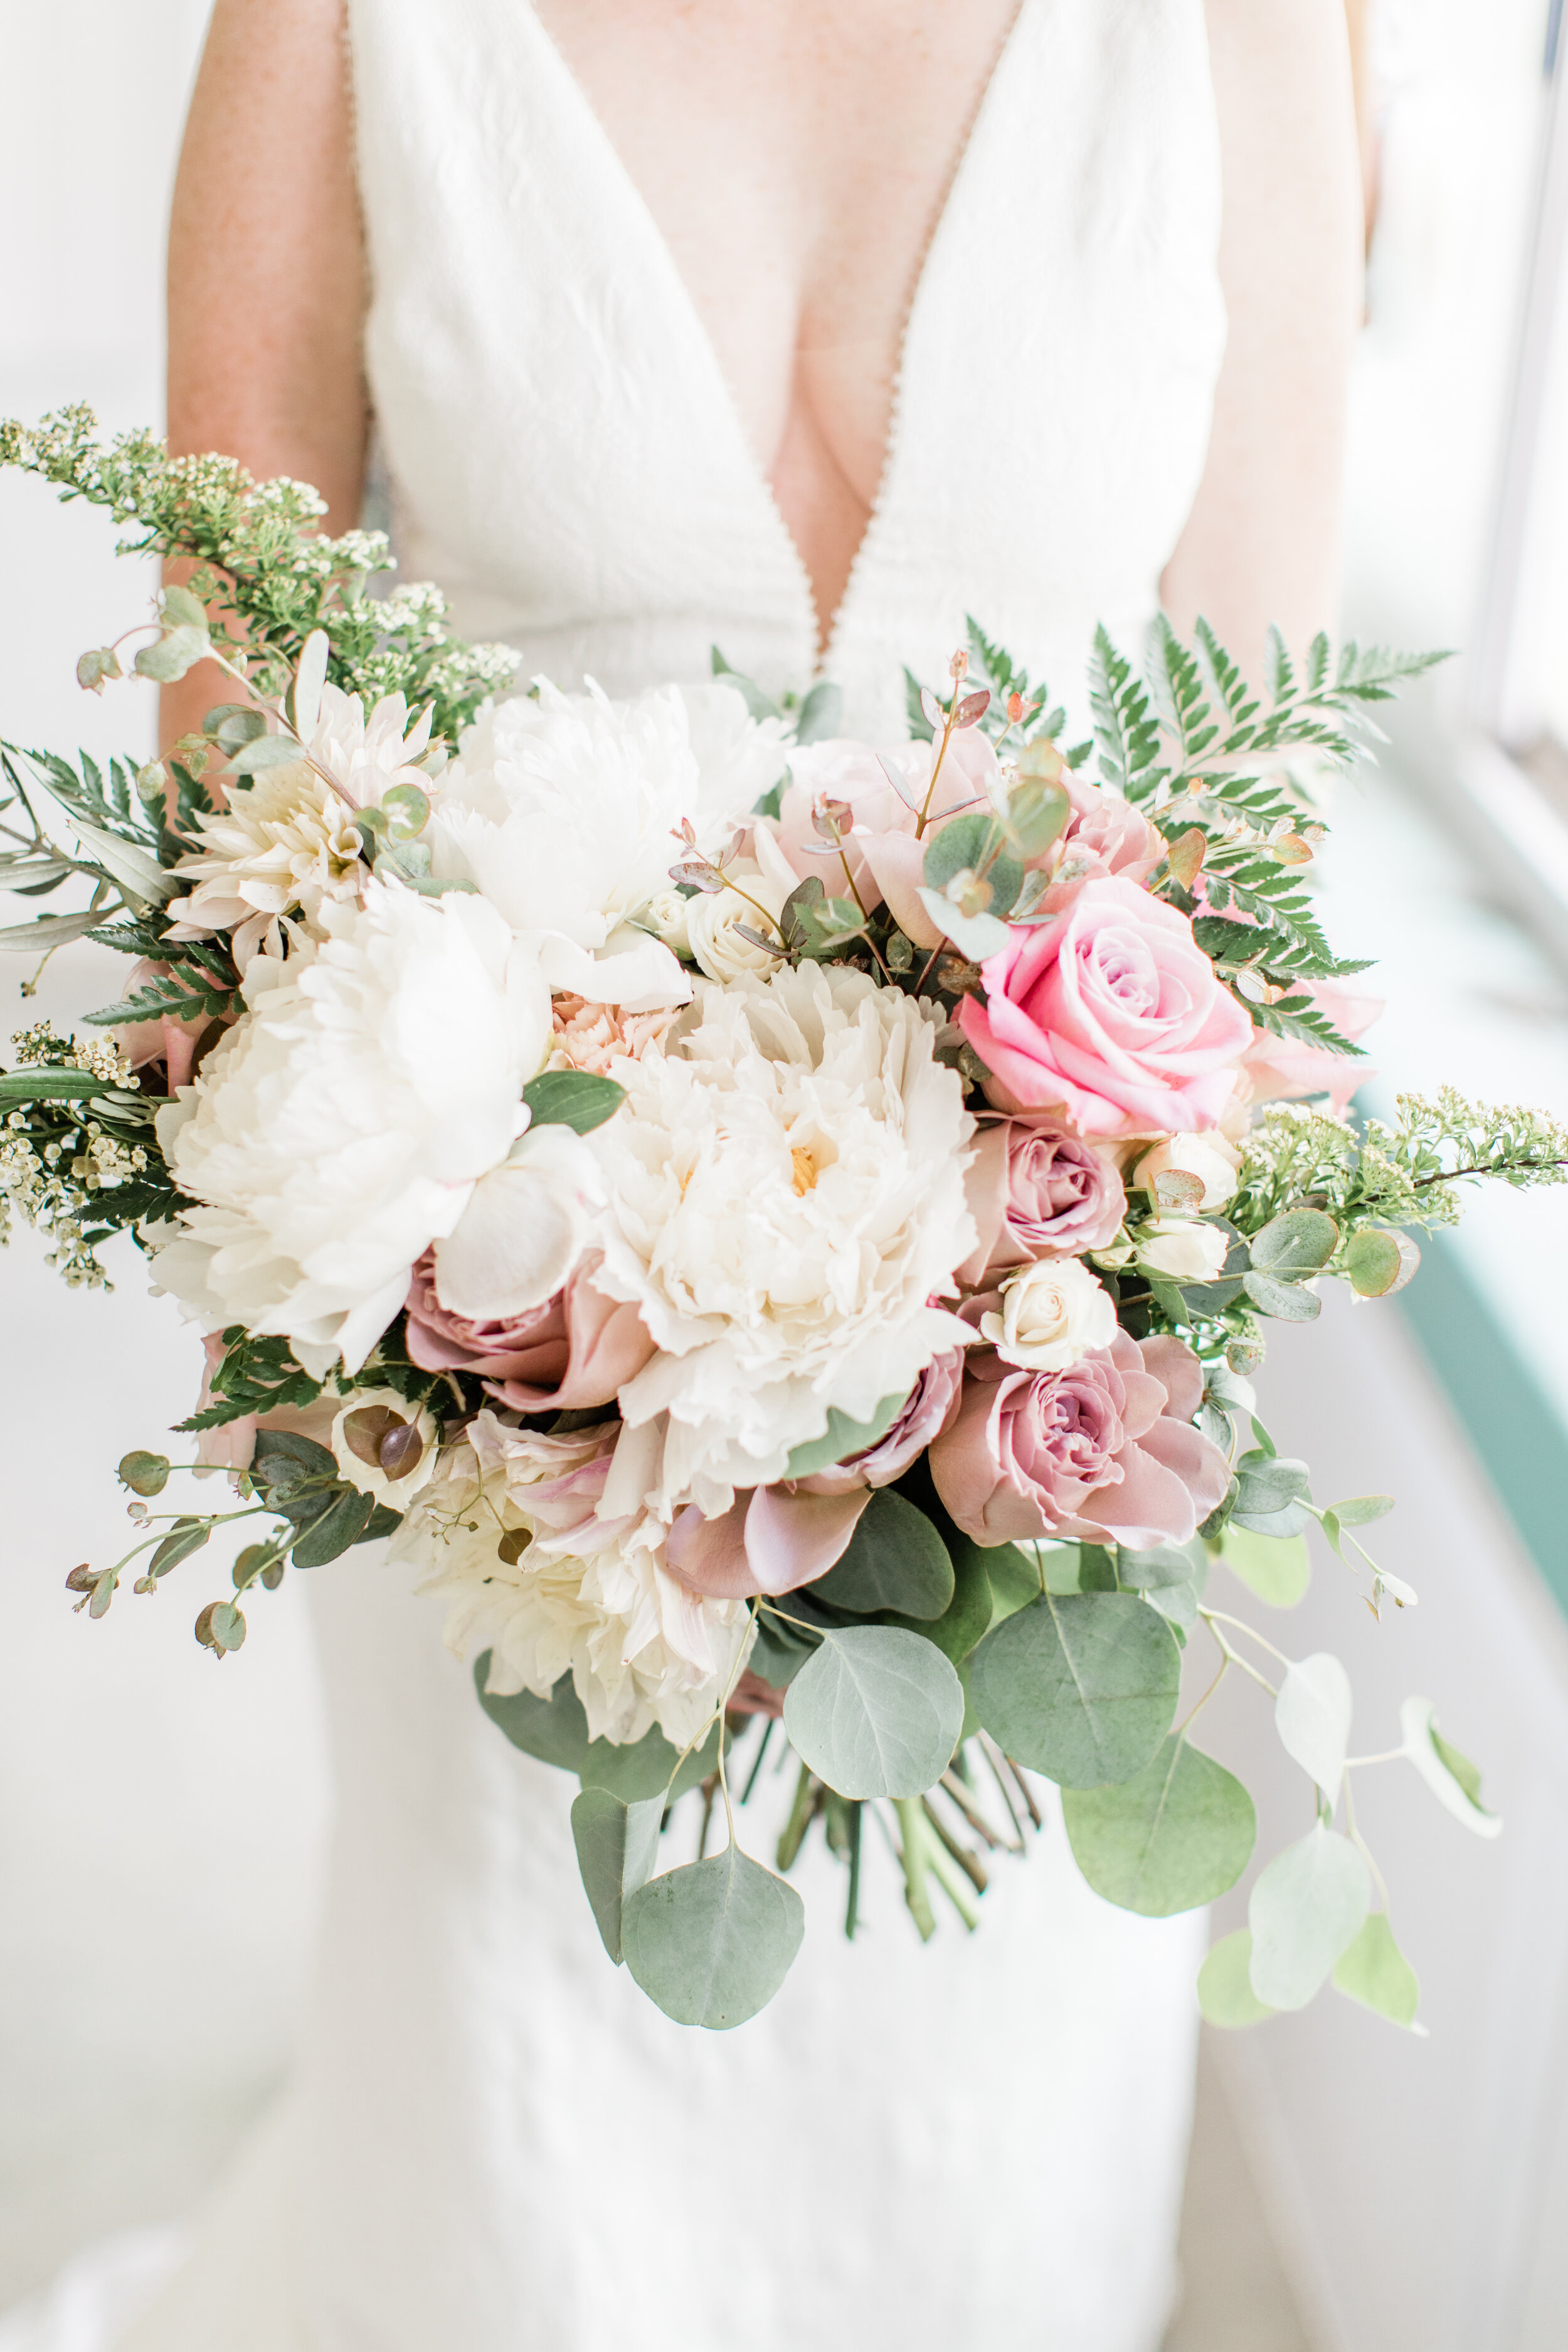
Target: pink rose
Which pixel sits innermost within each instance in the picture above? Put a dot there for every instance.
(1278, 1067)
(1036, 1190)
(923, 1415)
(885, 858)
(575, 1350)
(1111, 1012)
(1105, 834)
(1104, 1452)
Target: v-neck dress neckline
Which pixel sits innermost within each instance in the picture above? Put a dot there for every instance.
(946, 226)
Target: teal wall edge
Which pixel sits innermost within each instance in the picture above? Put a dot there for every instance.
(1519, 1434)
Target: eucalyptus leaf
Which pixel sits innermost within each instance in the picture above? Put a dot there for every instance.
(186, 1537)
(617, 1846)
(1374, 1971)
(1177, 1834)
(1147, 1572)
(1361, 1510)
(1288, 1302)
(1301, 1240)
(876, 1712)
(960, 847)
(821, 714)
(1379, 1263)
(329, 1532)
(1453, 1780)
(555, 1729)
(1081, 1687)
(979, 936)
(967, 1618)
(843, 1437)
(258, 752)
(173, 655)
(895, 1559)
(1313, 1717)
(579, 1100)
(1305, 1909)
(1224, 1984)
(712, 1942)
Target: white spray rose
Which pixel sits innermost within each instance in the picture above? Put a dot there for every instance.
(786, 1197)
(1210, 1159)
(342, 1126)
(1054, 1313)
(563, 816)
(1183, 1249)
(715, 920)
(666, 910)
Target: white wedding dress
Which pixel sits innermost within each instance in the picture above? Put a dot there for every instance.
(493, 2142)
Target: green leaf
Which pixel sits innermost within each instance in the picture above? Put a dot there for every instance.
(760, 705)
(1268, 1483)
(1362, 1509)
(259, 752)
(876, 1712)
(555, 1729)
(979, 936)
(47, 1084)
(575, 1099)
(137, 873)
(895, 1559)
(1081, 1687)
(1279, 1568)
(143, 1473)
(1301, 1240)
(712, 1942)
(821, 714)
(1380, 1262)
(842, 1438)
(183, 1538)
(1149, 1571)
(342, 1520)
(967, 1618)
(48, 931)
(173, 655)
(1304, 1910)
(617, 1846)
(1374, 1971)
(1224, 1984)
(1286, 1301)
(1453, 1780)
(1313, 1717)
(1177, 1834)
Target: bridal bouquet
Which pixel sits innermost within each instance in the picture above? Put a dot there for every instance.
(778, 1230)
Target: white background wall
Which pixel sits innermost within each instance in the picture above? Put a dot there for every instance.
(161, 1814)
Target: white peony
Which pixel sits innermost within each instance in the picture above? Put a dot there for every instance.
(1183, 1248)
(286, 841)
(524, 1229)
(786, 1197)
(1053, 1314)
(343, 1123)
(507, 1537)
(564, 814)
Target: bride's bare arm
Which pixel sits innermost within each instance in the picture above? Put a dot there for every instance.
(265, 268)
(1262, 543)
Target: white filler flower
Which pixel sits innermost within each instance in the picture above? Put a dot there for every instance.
(786, 1197)
(563, 814)
(343, 1124)
(546, 1598)
(1054, 1313)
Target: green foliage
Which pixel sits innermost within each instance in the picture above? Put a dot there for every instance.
(895, 1559)
(1081, 1687)
(617, 1845)
(711, 1943)
(1224, 1984)
(1176, 1834)
(575, 1099)
(555, 1729)
(876, 1712)
(260, 558)
(1374, 1971)
(257, 1374)
(1305, 1909)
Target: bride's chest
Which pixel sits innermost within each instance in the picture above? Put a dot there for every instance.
(795, 155)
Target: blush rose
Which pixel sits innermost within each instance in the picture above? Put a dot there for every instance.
(1112, 1013)
(573, 1352)
(1034, 1191)
(1104, 1452)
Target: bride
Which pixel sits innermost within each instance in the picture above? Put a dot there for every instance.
(804, 326)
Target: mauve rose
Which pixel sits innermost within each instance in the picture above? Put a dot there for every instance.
(575, 1352)
(1105, 834)
(1113, 1014)
(1104, 1452)
(923, 1415)
(1036, 1190)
